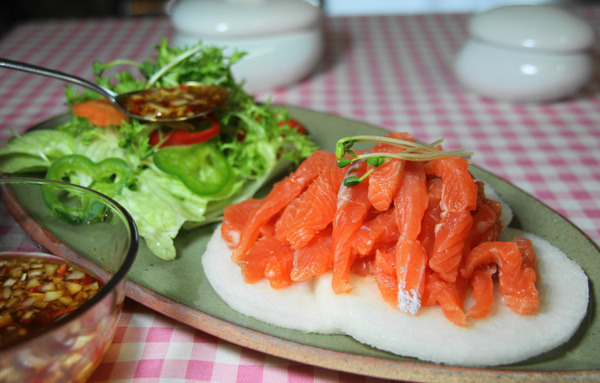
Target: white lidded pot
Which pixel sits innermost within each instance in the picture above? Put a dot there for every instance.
(282, 38)
(526, 53)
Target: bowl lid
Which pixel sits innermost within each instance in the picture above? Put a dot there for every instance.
(533, 27)
(242, 18)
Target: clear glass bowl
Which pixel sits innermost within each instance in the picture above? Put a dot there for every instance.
(88, 230)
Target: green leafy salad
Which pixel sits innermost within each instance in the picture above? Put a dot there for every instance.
(168, 176)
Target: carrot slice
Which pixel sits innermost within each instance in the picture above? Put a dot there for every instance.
(100, 112)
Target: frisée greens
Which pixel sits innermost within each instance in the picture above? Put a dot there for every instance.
(168, 187)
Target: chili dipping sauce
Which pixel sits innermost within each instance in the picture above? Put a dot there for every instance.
(36, 290)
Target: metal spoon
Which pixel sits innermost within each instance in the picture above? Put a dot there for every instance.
(208, 97)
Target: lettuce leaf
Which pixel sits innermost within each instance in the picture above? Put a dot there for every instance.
(34, 151)
(160, 206)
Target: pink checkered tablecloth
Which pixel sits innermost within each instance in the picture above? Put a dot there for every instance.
(390, 71)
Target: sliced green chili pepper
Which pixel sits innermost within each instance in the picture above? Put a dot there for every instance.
(201, 167)
(108, 177)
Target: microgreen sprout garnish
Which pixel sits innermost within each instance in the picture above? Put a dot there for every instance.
(412, 151)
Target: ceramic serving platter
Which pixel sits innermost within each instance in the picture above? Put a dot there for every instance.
(180, 290)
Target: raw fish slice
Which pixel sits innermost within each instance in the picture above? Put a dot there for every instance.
(314, 259)
(364, 266)
(376, 229)
(278, 268)
(410, 203)
(528, 257)
(411, 273)
(451, 233)
(316, 207)
(384, 272)
(235, 218)
(268, 229)
(385, 180)
(268, 258)
(432, 214)
(450, 297)
(504, 254)
(483, 291)
(487, 224)
(285, 220)
(519, 291)
(459, 199)
(352, 207)
(517, 280)
(282, 193)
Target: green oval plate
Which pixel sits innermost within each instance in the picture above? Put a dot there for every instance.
(179, 290)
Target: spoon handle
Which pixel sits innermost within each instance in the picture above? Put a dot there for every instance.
(34, 69)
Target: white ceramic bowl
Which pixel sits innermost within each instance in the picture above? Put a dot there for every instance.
(533, 27)
(282, 38)
(513, 75)
(526, 53)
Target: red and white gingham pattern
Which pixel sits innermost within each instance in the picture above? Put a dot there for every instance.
(149, 347)
(391, 71)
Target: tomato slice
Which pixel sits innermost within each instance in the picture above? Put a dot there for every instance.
(294, 124)
(183, 137)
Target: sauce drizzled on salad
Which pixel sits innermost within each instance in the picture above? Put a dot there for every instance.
(178, 102)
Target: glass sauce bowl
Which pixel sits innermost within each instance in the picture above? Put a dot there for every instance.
(105, 246)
